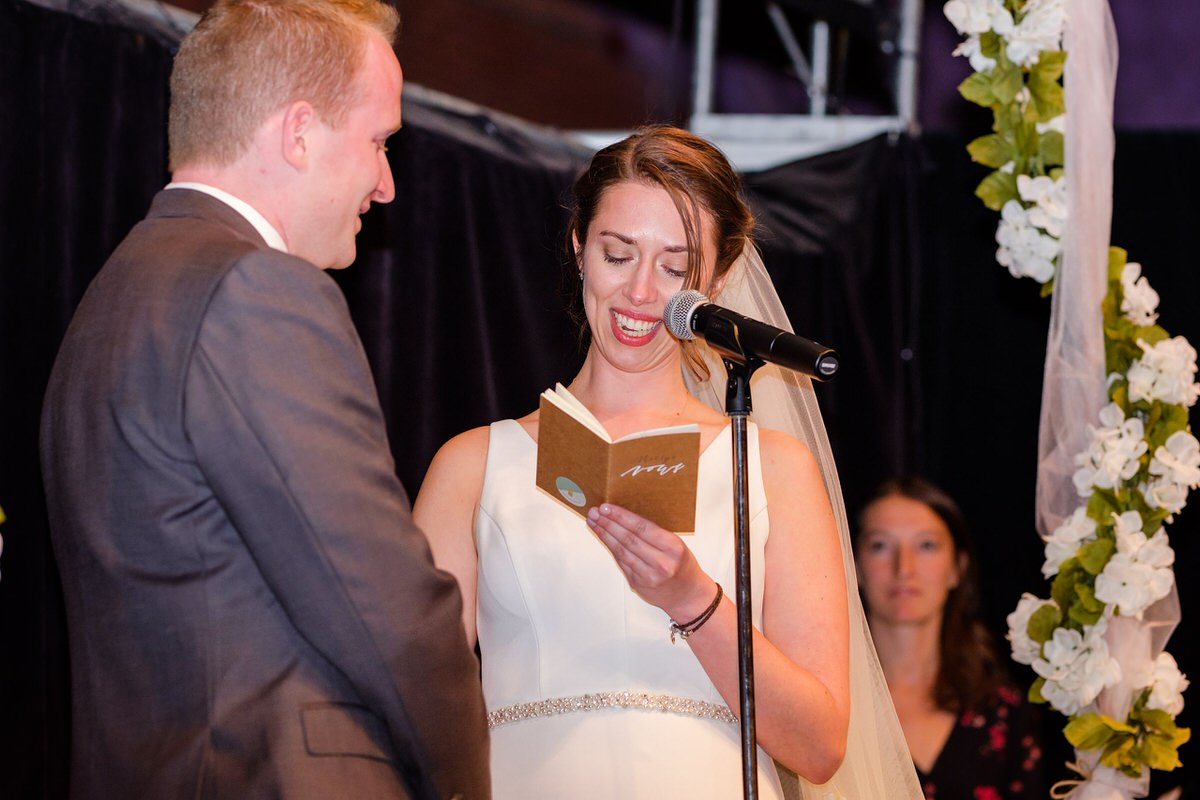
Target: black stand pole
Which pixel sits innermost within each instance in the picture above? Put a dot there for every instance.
(737, 406)
(724, 335)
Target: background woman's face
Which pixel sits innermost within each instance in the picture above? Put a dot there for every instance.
(907, 562)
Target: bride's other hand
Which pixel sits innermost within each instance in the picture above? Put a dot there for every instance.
(660, 568)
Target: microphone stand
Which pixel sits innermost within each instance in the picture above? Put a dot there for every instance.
(722, 333)
(740, 366)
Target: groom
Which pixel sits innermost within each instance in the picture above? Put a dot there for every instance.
(251, 611)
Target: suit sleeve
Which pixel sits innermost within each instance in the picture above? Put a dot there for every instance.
(285, 420)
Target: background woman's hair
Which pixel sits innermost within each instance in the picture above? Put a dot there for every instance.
(969, 672)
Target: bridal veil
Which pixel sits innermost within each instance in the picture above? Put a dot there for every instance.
(877, 765)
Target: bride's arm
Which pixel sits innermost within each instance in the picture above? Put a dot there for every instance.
(801, 665)
(805, 617)
(445, 511)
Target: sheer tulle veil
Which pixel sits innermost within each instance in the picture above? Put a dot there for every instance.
(877, 764)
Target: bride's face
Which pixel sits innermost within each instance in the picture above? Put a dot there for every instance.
(634, 259)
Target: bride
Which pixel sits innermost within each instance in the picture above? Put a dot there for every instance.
(609, 647)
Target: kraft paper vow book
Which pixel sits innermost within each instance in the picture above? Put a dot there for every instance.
(652, 473)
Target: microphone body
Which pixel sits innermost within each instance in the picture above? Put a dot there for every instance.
(689, 314)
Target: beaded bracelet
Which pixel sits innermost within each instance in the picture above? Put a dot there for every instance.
(688, 628)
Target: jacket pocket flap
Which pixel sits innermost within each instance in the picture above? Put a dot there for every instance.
(344, 729)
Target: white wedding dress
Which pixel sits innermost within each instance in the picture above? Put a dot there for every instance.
(560, 631)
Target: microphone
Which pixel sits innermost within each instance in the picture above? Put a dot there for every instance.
(689, 314)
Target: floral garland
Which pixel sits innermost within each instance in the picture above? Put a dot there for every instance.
(1111, 557)
(1015, 48)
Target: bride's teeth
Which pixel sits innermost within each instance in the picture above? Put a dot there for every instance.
(636, 327)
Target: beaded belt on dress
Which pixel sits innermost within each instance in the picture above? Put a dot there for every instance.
(598, 700)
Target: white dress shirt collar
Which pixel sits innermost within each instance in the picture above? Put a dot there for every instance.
(265, 229)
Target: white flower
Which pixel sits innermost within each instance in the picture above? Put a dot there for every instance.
(973, 17)
(1176, 468)
(1049, 197)
(1078, 529)
(1114, 452)
(1178, 460)
(1167, 685)
(1139, 573)
(1058, 123)
(1166, 371)
(1076, 667)
(1024, 649)
(971, 49)
(1165, 494)
(1040, 28)
(1024, 250)
(1139, 301)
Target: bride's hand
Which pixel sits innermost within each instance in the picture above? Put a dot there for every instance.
(660, 568)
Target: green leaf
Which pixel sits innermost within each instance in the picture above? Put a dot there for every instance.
(1118, 392)
(1095, 554)
(1043, 622)
(1085, 616)
(992, 150)
(1035, 690)
(1005, 117)
(989, 44)
(1160, 752)
(1062, 588)
(1152, 334)
(1165, 419)
(1088, 731)
(997, 189)
(1122, 753)
(1087, 597)
(1007, 80)
(1101, 506)
(978, 89)
(1050, 148)
(1025, 136)
(1047, 98)
(1154, 518)
(1158, 719)
(1050, 65)
(1117, 256)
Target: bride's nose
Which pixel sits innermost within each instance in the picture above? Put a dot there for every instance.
(641, 289)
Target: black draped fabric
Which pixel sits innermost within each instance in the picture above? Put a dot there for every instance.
(879, 250)
(458, 290)
(838, 235)
(82, 147)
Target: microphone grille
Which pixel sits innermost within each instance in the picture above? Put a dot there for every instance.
(677, 315)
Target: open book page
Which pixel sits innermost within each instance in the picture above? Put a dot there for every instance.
(652, 473)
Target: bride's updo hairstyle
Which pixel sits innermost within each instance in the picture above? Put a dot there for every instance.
(703, 186)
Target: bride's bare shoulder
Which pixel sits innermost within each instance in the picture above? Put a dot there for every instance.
(785, 454)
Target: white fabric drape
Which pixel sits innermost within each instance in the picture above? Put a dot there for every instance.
(1075, 387)
(877, 765)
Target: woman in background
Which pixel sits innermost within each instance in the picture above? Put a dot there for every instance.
(972, 734)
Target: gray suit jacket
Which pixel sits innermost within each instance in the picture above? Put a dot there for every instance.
(251, 611)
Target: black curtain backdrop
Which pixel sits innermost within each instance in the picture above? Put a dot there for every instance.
(879, 250)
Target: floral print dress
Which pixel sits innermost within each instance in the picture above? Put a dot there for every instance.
(992, 753)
